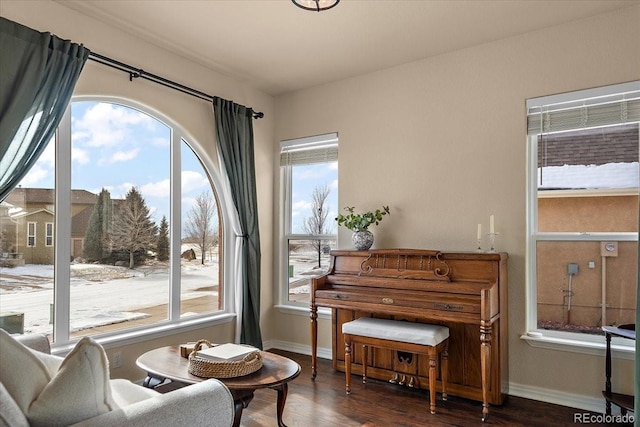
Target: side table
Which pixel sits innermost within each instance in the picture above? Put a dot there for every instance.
(624, 401)
(277, 371)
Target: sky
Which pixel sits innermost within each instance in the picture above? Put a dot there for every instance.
(304, 180)
(116, 148)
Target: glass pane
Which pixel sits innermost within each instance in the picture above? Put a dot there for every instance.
(307, 259)
(571, 284)
(120, 179)
(588, 180)
(200, 270)
(26, 261)
(314, 198)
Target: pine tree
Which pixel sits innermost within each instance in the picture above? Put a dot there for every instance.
(94, 239)
(132, 228)
(162, 245)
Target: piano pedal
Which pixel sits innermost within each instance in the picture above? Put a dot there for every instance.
(403, 381)
(394, 379)
(413, 382)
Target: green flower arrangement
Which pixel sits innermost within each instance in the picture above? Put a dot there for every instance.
(361, 222)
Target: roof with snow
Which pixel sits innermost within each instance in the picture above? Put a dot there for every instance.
(600, 158)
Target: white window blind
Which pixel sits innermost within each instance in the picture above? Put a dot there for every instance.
(310, 150)
(553, 114)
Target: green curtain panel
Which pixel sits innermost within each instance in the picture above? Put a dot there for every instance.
(38, 72)
(234, 130)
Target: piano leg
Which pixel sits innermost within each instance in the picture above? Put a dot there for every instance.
(485, 361)
(365, 351)
(444, 370)
(347, 366)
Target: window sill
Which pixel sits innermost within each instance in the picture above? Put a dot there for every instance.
(323, 313)
(595, 345)
(150, 333)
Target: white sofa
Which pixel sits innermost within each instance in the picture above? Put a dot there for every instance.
(39, 389)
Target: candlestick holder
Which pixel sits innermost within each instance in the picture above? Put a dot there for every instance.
(492, 241)
(479, 245)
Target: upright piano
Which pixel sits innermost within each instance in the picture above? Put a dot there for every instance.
(465, 291)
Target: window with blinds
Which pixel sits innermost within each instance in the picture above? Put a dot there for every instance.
(309, 182)
(583, 197)
(552, 114)
(311, 150)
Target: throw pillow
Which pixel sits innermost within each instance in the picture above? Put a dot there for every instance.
(79, 390)
(22, 373)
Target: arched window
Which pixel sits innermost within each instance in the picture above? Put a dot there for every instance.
(138, 228)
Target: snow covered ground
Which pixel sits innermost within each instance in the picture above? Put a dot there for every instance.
(100, 294)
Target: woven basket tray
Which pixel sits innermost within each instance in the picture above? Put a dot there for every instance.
(207, 368)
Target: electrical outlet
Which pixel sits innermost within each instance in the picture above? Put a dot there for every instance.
(117, 359)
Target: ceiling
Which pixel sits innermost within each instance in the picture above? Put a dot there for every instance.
(277, 47)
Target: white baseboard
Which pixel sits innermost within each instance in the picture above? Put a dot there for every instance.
(578, 401)
(571, 400)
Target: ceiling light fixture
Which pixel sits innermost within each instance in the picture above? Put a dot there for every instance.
(315, 5)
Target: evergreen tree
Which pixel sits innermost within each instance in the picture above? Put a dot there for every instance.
(162, 245)
(132, 228)
(94, 239)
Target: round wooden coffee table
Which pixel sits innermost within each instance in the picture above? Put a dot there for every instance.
(165, 363)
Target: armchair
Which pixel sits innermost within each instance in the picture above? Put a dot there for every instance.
(208, 403)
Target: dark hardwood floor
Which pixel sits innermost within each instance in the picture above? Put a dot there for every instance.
(323, 402)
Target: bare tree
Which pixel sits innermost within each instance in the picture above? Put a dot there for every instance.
(316, 224)
(201, 225)
(133, 230)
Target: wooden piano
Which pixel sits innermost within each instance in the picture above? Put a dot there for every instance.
(466, 292)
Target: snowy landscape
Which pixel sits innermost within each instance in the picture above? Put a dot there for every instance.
(100, 294)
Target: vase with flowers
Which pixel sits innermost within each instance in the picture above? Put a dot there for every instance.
(359, 223)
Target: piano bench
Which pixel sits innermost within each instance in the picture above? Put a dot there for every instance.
(418, 338)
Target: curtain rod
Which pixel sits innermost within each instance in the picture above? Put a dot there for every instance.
(135, 73)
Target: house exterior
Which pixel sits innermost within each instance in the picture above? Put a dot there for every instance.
(27, 220)
(609, 204)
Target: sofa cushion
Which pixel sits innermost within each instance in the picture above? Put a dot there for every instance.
(23, 374)
(10, 413)
(78, 391)
(124, 392)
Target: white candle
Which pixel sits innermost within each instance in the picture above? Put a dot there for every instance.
(479, 231)
(492, 228)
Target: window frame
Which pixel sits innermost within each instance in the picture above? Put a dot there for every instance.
(323, 141)
(174, 324)
(551, 339)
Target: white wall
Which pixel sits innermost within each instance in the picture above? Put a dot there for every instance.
(442, 142)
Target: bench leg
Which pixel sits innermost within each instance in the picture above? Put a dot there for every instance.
(365, 361)
(432, 381)
(347, 366)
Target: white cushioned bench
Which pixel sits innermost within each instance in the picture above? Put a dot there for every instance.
(419, 338)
